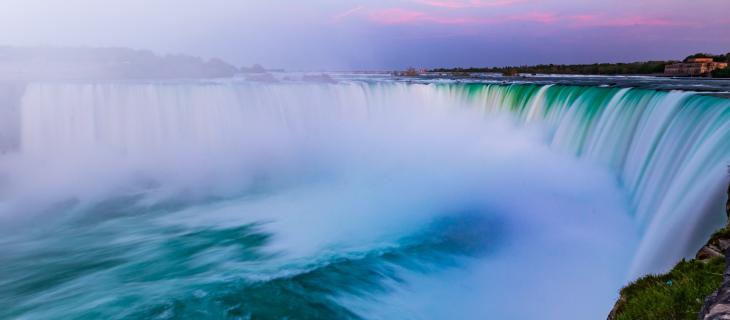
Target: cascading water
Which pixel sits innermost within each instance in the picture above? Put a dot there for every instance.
(349, 200)
(670, 151)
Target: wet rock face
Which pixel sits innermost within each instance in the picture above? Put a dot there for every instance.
(717, 305)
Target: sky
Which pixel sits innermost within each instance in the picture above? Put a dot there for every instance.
(379, 34)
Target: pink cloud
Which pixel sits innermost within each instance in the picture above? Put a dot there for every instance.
(395, 16)
(429, 13)
(347, 13)
(540, 17)
(600, 21)
(403, 16)
(460, 4)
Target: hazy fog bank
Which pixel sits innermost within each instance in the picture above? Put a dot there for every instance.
(79, 63)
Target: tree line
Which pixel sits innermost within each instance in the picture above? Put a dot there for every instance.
(631, 68)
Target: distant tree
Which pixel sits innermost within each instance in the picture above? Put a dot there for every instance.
(722, 58)
(721, 73)
(699, 55)
(648, 67)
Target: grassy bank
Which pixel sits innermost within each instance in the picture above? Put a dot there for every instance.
(676, 295)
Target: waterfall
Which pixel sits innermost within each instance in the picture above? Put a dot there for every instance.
(10, 95)
(667, 151)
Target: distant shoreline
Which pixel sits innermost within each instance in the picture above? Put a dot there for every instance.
(525, 74)
(697, 65)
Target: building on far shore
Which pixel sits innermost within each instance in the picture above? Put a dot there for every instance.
(694, 67)
(411, 72)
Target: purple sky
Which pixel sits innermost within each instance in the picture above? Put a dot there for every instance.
(350, 34)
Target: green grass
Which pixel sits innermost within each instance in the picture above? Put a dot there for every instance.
(678, 294)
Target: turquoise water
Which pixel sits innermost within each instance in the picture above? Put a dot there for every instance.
(371, 200)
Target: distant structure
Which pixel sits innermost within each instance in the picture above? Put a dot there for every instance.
(411, 72)
(511, 72)
(694, 67)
